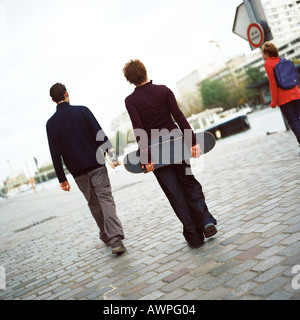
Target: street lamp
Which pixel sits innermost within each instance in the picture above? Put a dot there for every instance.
(224, 63)
(218, 45)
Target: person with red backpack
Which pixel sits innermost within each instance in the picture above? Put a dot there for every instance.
(283, 79)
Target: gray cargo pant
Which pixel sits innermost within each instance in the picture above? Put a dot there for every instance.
(95, 186)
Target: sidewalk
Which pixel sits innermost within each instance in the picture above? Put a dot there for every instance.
(51, 251)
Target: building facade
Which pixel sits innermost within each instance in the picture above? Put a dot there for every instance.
(283, 17)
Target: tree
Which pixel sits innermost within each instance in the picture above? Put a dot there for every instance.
(215, 93)
(296, 61)
(190, 103)
(254, 76)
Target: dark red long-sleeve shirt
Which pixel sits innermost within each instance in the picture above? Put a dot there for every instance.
(152, 107)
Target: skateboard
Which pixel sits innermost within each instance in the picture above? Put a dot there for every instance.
(169, 152)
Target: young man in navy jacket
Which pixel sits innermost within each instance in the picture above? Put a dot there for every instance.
(75, 136)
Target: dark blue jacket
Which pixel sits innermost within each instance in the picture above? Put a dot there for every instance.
(72, 136)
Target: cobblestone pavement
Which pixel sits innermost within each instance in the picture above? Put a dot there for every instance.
(50, 248)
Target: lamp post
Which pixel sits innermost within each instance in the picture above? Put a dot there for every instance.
(223, 60)
(218, 46)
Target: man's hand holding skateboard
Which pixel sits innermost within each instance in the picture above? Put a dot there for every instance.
(149, 166)
(195, 152)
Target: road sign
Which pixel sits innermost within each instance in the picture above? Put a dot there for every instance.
(255, 35)
(241, 21)
(250, 11)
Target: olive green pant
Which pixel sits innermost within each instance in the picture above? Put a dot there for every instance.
(95, 186)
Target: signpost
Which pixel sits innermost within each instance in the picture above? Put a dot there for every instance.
(38, 171)
(255, 35)
(250, 23)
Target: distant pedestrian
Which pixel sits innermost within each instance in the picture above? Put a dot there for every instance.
(287, 99)
(72, 133)
(151, 108)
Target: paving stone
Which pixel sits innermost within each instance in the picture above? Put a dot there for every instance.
(136, 288)
(174, 276)
(215, 294)
(154, 287)
(291, 249)
(293, 229)
(205, 268)
(273, 240)
(250, 244)
(291, 239)
(215, 282)
(240, 291)
(267, 264)
(273, 231)
(280, 295)
(271, 273)
(227, 256)
(254, 199)
(216, 272)
(193, 295)
(231, 239)
(249, 254)
(152, 296)
(293, 260)
(176, 283)
(241, 278)
(243, 267)
(269, 252)
(270, 286)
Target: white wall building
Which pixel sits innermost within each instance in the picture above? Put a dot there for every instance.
(284, 20)
(283, 17)
(190, 83)
(289, 49)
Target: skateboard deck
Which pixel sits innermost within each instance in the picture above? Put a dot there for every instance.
(169, 152)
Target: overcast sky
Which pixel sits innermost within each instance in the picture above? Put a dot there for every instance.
(85, 44)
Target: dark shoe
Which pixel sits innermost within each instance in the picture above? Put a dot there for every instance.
(210, 230)
(118, 248)
(195, 246)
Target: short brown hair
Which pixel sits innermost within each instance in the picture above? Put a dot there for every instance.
(135, 72)
(57, 92)
(270, 49)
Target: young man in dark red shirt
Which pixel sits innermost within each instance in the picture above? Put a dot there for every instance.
(151, 108)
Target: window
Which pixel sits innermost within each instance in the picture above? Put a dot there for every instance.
(295, 41)
(284, 47)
